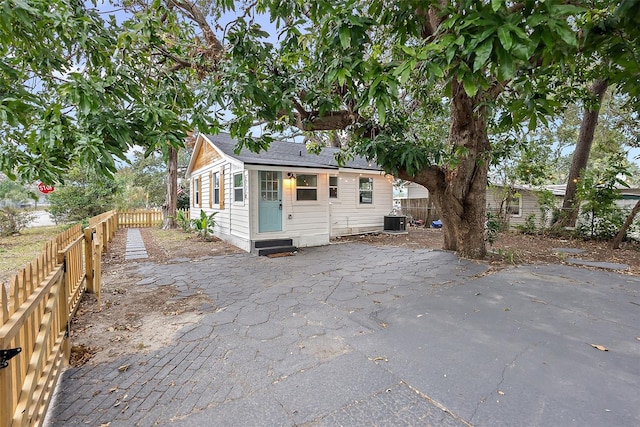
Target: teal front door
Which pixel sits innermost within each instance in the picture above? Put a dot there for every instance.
(270, 201)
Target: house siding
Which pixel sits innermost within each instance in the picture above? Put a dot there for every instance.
(305, 222)
(417, 191)
(529, 205)
(348, 216)
(231, 222)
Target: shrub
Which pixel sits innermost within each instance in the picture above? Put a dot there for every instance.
(13, 220)
(493, 227)
(529, 226)
(204, 225)
(183, 221)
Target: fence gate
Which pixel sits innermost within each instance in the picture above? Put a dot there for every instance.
(32, 339)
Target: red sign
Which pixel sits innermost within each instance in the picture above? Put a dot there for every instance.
(45, 189)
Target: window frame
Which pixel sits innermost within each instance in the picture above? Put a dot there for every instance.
(336, 187)
(237, 188)
(511, 205)
(307, 189)
(216, 188)
(196, 191)
(361, 190)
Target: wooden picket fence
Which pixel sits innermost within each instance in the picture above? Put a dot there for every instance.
(35, 314)
(142, 218)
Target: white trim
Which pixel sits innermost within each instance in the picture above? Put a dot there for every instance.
(519, 214)
(359, 190)
(233, 186)
(316, 188)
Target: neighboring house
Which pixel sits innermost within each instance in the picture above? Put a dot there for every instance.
(628, 196)
(410, 190)
(518, 207)
(285, 193)
(522, 204)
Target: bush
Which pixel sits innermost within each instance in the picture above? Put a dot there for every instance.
(605, 227)
(183, 221)
(84, 195)
(493, 226)
(204, 225)
(13, 220)
(529, 226)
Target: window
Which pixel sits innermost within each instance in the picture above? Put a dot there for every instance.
(269, 186)
(514, 203)
(196, 192)
(307, 187)
(333, 187)
(216, 188)
(366, 190)
(238, 187)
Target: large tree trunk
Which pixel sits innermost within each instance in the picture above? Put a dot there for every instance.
(615, 244)
(171, 201)
(460, 193)
(570, 205)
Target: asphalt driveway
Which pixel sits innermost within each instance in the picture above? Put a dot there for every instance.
(353, 334)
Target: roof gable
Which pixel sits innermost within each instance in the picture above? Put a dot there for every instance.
(205, 155)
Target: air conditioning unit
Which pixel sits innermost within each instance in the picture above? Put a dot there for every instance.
(395, 223)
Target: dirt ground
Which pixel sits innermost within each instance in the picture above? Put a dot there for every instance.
(131, 318)
(135, 319)
(513, 248)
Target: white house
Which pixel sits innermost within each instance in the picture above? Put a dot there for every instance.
(285, 196)
(523, 203)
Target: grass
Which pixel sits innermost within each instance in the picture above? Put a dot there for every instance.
(17, 251)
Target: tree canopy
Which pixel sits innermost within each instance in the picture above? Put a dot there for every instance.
(79, 88)
(420, 86)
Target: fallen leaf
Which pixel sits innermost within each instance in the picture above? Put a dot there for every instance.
(113, 390)
(123, 368)
(105, 424)
(638, 338)
(379, 359)
(599, 347)
(501, 393)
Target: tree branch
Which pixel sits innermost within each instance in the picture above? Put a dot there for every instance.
(193, 12)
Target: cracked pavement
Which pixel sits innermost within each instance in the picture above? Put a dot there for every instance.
(352, 334)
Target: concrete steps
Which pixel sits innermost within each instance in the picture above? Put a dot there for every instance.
(273, 246)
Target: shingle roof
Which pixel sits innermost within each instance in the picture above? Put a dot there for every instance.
(281, 153)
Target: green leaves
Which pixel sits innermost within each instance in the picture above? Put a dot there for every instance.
(345, 37)
(505, 38)
(482, 55)
(496, 4)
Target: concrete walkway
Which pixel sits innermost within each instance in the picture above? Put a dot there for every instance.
(135, 248)
(354, 335)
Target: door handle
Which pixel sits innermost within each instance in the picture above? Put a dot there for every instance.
(280, 206)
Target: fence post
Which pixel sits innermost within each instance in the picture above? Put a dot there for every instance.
(97, 270)
(105, 237)
(114, 223)
(88, 257)
(63, 304)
